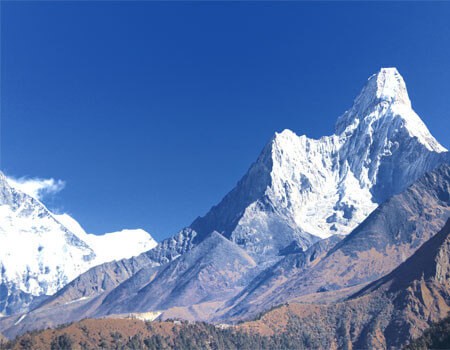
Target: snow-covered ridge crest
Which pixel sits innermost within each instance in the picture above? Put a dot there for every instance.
(313, 188)
(111, 246)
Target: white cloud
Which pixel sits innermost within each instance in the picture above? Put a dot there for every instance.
(36, 187)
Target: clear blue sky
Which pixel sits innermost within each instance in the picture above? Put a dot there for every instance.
(151, 112)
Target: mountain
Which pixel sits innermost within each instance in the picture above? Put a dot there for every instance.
(212, 271)
(419, 289)
(85, 294)
(391, 234)
(301, 189)
(110, 246)
(41, 251)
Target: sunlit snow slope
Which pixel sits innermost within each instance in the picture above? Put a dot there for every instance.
(41, 252)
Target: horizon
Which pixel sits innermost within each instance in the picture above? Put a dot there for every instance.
(170, 175)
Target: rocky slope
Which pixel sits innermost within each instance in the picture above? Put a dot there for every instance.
(212, 271)
(435, 337)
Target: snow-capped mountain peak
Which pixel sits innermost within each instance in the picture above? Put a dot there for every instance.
(384, 104)
(301, 189)
(41, 251)
(111, 246)
(386, 86)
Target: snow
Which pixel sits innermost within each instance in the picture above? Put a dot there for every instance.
(111, 246)
(310, 186)
(76, 300)
(330, 185)
(387, 89)
(390, 86)
(20, 319)
(38, 254)
(41, 252)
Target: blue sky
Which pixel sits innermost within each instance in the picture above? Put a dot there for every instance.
(151, 112)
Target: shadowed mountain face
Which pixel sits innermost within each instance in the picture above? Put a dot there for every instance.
(212, 271)
(435, 337)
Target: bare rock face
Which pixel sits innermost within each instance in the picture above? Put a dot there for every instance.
(418, 290)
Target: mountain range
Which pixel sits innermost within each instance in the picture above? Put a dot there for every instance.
(387, 313)
(313, 222)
